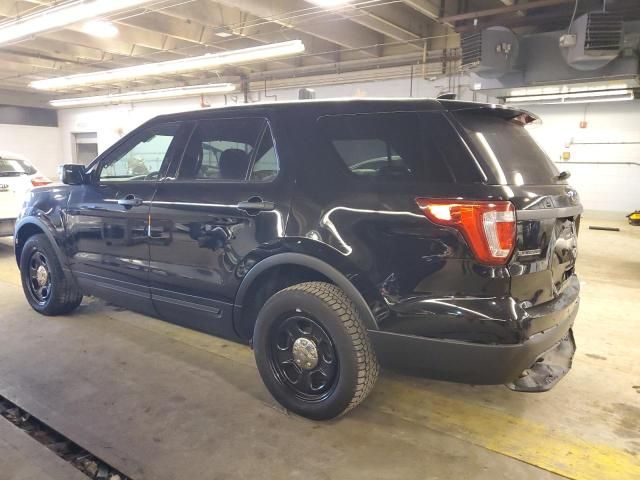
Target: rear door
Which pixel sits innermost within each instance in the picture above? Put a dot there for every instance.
(226, 198)
(107, 219)
(548, 210)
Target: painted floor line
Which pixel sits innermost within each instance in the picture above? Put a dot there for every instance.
(524, 440)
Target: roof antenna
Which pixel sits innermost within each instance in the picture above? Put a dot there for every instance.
(446, 96)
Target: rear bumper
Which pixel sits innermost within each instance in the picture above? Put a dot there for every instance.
(550, 351)
(7, 226)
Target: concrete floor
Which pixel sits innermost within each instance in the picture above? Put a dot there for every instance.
(161, 402)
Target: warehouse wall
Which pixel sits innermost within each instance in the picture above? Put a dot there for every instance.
(41, 145)
(604, 188)
(610, 136)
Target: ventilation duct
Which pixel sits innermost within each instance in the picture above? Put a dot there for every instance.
(598, 40)
(306, 94)
(490, 53)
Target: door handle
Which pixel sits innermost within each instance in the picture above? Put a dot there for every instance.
(256, 204)
(130, 201)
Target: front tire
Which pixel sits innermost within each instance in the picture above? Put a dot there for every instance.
(313, 351)
(45, 285)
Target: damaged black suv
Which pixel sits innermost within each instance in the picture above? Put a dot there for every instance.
(429, 235)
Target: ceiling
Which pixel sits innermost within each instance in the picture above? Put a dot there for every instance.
(362, 35)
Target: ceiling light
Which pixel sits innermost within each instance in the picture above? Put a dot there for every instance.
(60, 16)
(329, 3)
(606, 95)
(144, 96)
(203, 62)
(100, 28)
(224, 34)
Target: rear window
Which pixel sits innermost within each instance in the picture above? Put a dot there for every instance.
(508, 152)
(410, 146)
(11, 168)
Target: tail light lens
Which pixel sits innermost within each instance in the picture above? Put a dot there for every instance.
(488, 227)
(40, 181)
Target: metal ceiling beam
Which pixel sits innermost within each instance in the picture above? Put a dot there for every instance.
(330, 27)
(425, 7)
(199, 37)
(385, 27)
(507, 9)
(219, 18)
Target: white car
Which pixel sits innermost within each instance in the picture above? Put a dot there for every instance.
(17, 178)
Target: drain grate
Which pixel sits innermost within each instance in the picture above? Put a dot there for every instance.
(66, 449)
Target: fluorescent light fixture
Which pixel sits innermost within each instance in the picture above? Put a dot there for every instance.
(60, 16)
(144, 96)
(329, 3)
(100, 28)
(203, 62)
(224, 34)
(607, 95)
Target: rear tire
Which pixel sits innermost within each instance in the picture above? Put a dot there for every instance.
(313, 351)
(45, 285)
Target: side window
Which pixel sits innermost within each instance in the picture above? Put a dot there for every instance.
(142, 157)
(394, 146)
(266, 166)
(221, 149)
(368, 156)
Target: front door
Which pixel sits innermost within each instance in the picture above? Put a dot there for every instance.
(227, 198)
(108, 217)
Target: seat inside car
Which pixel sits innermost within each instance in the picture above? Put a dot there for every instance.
(234, 164)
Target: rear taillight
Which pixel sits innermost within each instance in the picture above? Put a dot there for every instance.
(40, 181)
(489, 227)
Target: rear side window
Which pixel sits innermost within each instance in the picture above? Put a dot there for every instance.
(11, 168)
(410, 146)
(225, 149)
(507, 150)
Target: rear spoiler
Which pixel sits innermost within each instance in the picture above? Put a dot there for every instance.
(522, 117)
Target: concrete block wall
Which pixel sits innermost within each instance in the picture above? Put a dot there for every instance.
(611, 135)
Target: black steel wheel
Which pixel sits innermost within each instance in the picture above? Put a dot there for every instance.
(313, 351)
(39, 277)
(46, 286)
(303, 357)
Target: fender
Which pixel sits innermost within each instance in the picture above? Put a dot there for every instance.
(290, 258)
(49, 231)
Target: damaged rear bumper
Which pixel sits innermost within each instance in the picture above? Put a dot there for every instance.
(549, 368)
(533, 365)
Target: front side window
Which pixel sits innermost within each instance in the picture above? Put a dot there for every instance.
(142, 158)
(223, 149)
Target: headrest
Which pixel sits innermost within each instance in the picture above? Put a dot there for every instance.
(234, 164)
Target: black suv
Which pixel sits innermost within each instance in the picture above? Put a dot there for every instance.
(429, 235)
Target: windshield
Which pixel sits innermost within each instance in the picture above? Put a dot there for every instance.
(12, 168)
(510, 154)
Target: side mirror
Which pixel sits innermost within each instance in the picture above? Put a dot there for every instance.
(72, 174)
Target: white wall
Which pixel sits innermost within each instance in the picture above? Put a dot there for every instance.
(602, 187)
(613, 133)
(40, 145)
